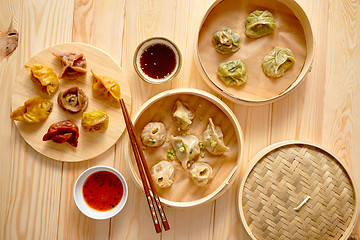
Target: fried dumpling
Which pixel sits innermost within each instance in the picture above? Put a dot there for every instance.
(106, 87)
(232, 72)
(73, 63)
(44, 77)
(201, 173)
(186, 148)
(73, 100)
(213, 139)
(277, 62)
(259, 23)
(183, 115)
(153, 134)
(162, 174)
(95, 121)
(226, 41)
(35, 110)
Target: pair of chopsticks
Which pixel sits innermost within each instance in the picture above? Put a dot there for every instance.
(145, 177)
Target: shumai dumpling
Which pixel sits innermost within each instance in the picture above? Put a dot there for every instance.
(259, 23)
(95, 121)
(277, 62)
(44, 77)
(163, 174)
(106, 87)
(201, 173)
(213, 139)
(232, 72)
(186, 148)
(226, 41)
(153, 134)
(183, 115)
(35, 110)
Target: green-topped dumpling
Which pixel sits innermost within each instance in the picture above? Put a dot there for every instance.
(277, 62)
(259, 23)
(226, 41)
(232, 72)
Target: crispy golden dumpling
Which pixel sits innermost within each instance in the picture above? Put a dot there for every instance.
(73, 100)
(277, 62)
(106, 87)
(44, 77)
(73, 63)
(35, 110)
(226, 41)
(232, 72)
(95, 121)
(259, 23)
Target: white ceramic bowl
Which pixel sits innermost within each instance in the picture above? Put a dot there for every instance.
(86, 209)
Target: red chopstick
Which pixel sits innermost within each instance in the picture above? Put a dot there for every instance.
(145, 178)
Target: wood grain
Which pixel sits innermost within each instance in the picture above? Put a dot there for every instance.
(36, 192)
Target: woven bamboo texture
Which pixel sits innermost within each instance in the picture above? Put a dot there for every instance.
(281, 181)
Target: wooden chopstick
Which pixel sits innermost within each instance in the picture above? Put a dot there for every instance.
(145, 178)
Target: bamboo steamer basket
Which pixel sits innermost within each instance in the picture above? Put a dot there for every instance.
(293, 31)
(184, 192)
(297, 190)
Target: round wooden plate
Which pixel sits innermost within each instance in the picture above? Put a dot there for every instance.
(90, 145)
(297, 190)
(293, 31)
(184, 192)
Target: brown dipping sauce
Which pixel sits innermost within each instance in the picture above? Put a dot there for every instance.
(102, 190)
(158, 61)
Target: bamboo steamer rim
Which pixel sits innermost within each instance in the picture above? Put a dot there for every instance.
(310, 42)
(264, 152)
(239, 135)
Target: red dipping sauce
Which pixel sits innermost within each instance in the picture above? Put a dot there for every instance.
(158, 61)
(102, 190)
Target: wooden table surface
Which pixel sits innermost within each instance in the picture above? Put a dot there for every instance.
(36, 200)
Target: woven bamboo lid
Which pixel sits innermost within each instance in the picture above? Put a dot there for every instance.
(297, 190)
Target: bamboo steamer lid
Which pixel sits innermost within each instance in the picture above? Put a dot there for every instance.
(297, 190)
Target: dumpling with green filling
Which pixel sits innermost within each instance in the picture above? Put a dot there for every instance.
(277, 62)
(226, 41)
(186, 148)
(259, 23)
(201, 173)
(232, 72)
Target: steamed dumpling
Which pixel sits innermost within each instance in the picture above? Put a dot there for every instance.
(226, 41)
(259, 23)
(213, 139)
(153, 134)
(277, 62)
(183, 115)
(186, 148)
(232, 72)
(163, 174)
(201, 173)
